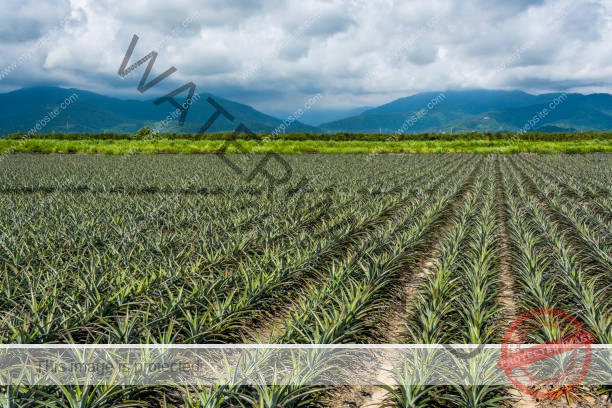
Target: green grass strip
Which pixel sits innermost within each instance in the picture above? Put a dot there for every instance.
(296, 147)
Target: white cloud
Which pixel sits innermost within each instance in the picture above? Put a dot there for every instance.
(331, 56)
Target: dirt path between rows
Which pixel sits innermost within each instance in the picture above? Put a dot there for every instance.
(508, 297)
(392, 325)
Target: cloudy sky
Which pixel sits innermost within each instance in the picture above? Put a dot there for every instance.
(353, 52)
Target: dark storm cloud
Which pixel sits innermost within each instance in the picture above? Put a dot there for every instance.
(20, 31)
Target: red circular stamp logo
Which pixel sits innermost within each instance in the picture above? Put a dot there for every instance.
(551, 369)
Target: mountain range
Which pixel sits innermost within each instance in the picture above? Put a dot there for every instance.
(89, 112)
(453, 111)
(483, 111)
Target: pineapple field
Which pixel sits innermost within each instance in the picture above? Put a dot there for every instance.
(384, 249)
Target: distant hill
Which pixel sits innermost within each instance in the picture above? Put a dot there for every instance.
(315, 116)
(484, 111)
(94, 113)
(455, 112)
(555, 129)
